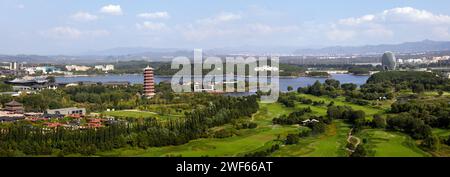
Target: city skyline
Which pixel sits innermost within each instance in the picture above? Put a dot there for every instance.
(72, 27)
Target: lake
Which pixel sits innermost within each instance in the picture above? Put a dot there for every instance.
(284, 82)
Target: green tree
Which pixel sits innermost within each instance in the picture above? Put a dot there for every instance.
(349, 86)
(292, 139)
(432, 143)
(290, 88)
(360, 151)
(418, 88)
(379, 121)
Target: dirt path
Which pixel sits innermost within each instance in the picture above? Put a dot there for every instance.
(350, 136)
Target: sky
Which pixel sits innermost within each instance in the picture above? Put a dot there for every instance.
(48, 27)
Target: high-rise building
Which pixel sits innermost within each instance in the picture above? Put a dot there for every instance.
(13, 66)
(388, 61)
(149, 82)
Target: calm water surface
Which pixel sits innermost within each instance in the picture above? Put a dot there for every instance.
(284, 82)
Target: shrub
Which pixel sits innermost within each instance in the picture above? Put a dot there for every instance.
(291, 139)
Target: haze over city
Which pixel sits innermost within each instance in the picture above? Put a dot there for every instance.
(77, 27)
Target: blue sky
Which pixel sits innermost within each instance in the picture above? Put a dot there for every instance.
(77, 26)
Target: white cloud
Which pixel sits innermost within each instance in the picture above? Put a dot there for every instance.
(221, 18)
(396, 23)
(84, 16)
(111, 10)
(151, 26)
(399, 15)
(154, 15)
(259, 28)
(357, 21)
(411, 15)
(65, 32)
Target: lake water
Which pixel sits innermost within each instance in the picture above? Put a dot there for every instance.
(284, 82)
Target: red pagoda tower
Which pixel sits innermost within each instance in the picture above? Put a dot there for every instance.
(149, 82)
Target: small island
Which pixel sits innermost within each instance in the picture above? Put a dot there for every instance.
(318, 74)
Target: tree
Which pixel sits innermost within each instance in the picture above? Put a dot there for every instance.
(357, 115)
(5, 87)
(292, 139)
(5, 99)
(440, 93)
(332, 82)
(360, 151)
(431, 142)
(331, 104)
(418, 88)
(316, 89)
(51, 79)
(447, 142)
(290, 88)
(379, 121)
(349, 86)
(317, 128)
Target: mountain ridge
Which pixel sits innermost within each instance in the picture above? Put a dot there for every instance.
(406, 47)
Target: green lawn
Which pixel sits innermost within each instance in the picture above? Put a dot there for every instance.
(139, 114)
(340, 101)
(330, 144)
(441, 132)
(391, 144)
(269, 111)
(246, 141)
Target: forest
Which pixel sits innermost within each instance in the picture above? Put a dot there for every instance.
(144, 133)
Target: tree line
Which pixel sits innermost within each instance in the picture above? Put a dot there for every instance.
(22, 139)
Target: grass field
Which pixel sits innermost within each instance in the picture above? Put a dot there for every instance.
(139, 114)
(330, 144)
(370, 111)
(391, 144)
(246, 141)
(441, 132)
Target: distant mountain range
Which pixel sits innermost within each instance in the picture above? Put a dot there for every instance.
(141, 51)
(407, 47)
(166, 54)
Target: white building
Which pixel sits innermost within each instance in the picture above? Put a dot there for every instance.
(77, 68)
(105, 67)
(42, 69)
(266, 68)
(13, 66)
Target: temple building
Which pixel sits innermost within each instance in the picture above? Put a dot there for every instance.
(14, 107)
(149, 82)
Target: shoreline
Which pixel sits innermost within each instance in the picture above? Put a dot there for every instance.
(164, 76)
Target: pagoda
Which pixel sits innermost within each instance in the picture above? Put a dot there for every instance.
(149, 82)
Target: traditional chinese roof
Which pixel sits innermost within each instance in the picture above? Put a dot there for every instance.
(14, 103)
